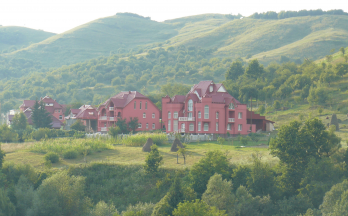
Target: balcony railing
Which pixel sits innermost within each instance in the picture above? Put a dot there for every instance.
(182, 130)
(111, 108)
(187, 118)
(103, 118)
(230, 119)
(111, 118)
(103, 129)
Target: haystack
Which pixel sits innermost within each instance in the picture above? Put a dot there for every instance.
(176, 145)
(334, 121)
(147, 146)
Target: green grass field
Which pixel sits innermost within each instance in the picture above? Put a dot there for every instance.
(120, 154)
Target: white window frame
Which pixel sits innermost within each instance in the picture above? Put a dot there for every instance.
(153, 126)
(146, 105)
(231, 106)
(206, 112)
(199, 114)
(199, 126)
(139, 125)
(140, 104)
(206, 128)
(211, 88)
(60, 117)
(144, 115)
(153, 115)
(217, 126)
(217, 115)
(175, 115)
(240, 115)
(190, 115)
(147, 125)
(175, 125)
(191, 127)
(169, 125)
(228, 126)
(190, 105)
(240, 127)
(169, 115)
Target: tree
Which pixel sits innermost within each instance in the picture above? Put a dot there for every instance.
(24, 193)
(276, 105)
(328, 58)
(328, 77)
(6, 206)
(153, 160)
(197, 208)
(133, 124)
(213, 162)
(219, 193)
(2, 155)
(341, 69)
(335, 200)
(254, 69)
(103, 209)
(114, 131)
(235, 71)
(40, 117)
(343, 51)
(261, 109)
(19, 122)
(183, 152)
(78, 125)
(122, 125)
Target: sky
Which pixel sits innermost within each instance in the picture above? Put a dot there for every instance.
(62, 15)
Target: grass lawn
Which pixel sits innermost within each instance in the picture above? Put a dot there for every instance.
(120, 154)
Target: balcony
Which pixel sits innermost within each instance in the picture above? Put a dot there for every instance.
(103, 118)
(182, 130)
(103, 129)
(187, 119)
(111, 108)
(230, 119)
(111, 118)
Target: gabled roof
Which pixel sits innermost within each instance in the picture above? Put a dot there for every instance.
(122, 99)
(178, 99)
(87, 112)
(27, 103)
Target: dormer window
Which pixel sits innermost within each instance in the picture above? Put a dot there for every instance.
(211, 88)
(231, 106)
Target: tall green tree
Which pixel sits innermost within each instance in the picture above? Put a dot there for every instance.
(343, 50)
(6, 206)
(40, 117)
(255, 69)
(19, 122)
(2, 155)
(133, 124)
(78, 125)
(197, 208)
(235, 71)
(122, 125)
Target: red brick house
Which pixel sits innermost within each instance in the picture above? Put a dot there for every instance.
(126, 105)
(209, 108)
(88, 116)
(55, 109)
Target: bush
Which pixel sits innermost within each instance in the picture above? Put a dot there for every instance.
(52, 157)
(70, 154)
(141, 138)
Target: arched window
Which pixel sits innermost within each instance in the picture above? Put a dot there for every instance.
(135, 104)
(217, 115)
(206, 112)
(169, 115)
(231, 106)
(146, 105)
(190, 105)
(140, 105)
(199, 114)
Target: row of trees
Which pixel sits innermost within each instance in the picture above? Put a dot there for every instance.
(288, 14)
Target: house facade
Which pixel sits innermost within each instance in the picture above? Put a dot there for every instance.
(209, 109)
(55, 110)
(126, 105)
(87, 114)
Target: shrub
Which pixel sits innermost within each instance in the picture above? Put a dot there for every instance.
(52, 157)
(70, 154)
(141, 138)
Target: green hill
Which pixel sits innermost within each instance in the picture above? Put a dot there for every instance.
(13, 38)
(298, 37)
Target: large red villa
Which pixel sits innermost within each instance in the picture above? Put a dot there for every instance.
(209, 108)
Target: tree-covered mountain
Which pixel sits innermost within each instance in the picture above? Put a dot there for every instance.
(234, 36)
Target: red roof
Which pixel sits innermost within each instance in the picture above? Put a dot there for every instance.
(256, 116)
(87, 112)
(123, 98)
(28, 103)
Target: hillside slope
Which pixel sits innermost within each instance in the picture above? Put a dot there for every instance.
(13, 37)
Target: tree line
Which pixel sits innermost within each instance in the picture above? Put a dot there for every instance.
(289, 14)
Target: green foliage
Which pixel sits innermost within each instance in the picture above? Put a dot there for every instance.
(244, 140)
(140, 209)
(342, 50)
(235, 71)
(254, 69)
(19, 122)
(153, 160)
(70, 154)
(52, 157)
(276, 105)
(103, 209)
(122, 125)
(133, 124)
(114, 131)
(46, 133)
(40, 117)
(78, 126)
(261, 109)
(140, 139)
(335, 200)
(197, 208)
(7, 134)
(6, 207)
(24, 193)
(200, 173)
(317, 96)
(2, 155)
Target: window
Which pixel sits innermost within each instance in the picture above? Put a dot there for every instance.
(199, 114)
(190, 115)
(135, 104)
(240, 127)
(228, 126)
(59, 110)
(217, 126)
(191, 127)
(169, 124)
(139, 125)
(140, 105)
(211, 88)
(90, 113)
(60, 117)
(175, 115)
(199, 126)
(153, 126)
(146, 105)
(175, 125)
(231, 106)
(240, 115)
(104, 124)
(206, 112)
(144, 115)
(217, 115)
(206, 127)
(190, 105)
(169, 115)
(153, 115)
(147, 125)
